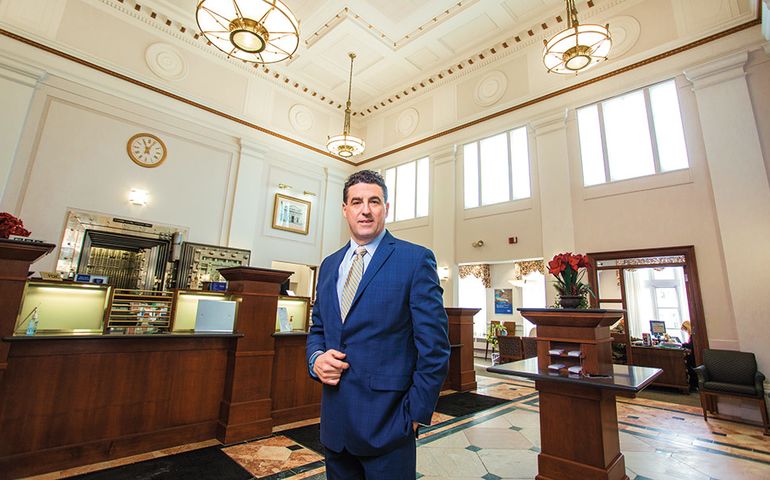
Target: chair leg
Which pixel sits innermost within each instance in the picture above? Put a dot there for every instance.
(486, 350)
(703, 403)
(765, 421)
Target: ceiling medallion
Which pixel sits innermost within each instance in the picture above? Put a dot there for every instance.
(257, 31)
(346, 145)
(578, 47)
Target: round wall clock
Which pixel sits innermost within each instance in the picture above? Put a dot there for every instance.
(146, 150)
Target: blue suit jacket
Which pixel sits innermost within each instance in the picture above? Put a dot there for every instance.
(395, 338)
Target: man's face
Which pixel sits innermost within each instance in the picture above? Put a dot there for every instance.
(365, 210)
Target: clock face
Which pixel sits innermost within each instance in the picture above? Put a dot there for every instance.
(146, 150)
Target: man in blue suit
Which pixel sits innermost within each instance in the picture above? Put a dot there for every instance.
(378, 342)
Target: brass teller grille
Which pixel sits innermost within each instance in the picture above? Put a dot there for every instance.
(139, 311)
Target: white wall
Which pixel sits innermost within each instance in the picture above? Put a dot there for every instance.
(66, 148)
(667, 210)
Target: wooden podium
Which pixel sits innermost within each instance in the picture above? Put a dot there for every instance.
(578, 416)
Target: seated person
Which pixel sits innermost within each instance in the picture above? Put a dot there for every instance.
(686, 329)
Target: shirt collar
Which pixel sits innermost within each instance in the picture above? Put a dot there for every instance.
(371, 247)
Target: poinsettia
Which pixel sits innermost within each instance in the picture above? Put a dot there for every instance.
(566, 267)
(10, 225)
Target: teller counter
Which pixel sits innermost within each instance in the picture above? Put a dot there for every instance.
(73, 395)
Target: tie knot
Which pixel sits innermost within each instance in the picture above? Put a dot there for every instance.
(361, 251)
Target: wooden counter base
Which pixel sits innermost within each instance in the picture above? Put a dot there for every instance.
(578, 419)
(583, 441)
(70, 402)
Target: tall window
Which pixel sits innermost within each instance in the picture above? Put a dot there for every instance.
(496, 169)
(408, 187)
(633, 135)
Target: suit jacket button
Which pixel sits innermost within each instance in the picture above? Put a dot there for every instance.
(344, 346)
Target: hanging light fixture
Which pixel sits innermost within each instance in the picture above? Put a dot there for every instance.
(346, 145)
(258, 31)
(578, 47)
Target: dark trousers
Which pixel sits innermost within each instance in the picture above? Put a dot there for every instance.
(400, 464)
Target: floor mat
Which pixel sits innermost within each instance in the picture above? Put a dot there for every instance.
(203, 464)
(308, 437)
(465, 403)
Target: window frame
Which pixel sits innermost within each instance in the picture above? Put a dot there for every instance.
(508, 166)
(392, 197)
(650, 131)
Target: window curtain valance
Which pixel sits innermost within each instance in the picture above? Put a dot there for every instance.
(480, 271)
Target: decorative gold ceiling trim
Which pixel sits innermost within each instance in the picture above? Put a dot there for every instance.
(193, 37)
(168, 94)
(547, 96)
(521, 40)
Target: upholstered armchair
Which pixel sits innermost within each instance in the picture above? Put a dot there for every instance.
(510, 348)
(530, 346)
(733, 374)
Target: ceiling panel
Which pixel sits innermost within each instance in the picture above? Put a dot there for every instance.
(423, 58)
(470, 34)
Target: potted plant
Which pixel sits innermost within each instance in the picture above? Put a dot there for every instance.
(10, 225)
(569, 270)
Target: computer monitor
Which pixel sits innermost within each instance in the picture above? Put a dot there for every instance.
(215, 316)
(658, 327)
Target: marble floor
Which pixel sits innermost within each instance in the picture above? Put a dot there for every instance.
(660, 441)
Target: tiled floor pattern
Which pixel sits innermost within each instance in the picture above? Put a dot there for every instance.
(659, 441)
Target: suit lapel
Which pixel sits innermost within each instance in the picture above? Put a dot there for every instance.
(337, 258)
(384, 250)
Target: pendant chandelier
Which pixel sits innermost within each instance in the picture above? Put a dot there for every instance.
(346, 145)
(257, 31)
(578, 47)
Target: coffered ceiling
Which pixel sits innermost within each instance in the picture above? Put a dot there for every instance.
(487, 50)
(402, 46)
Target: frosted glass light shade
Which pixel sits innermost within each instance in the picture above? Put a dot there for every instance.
(257, 31)
(345, 146)
(577, 48)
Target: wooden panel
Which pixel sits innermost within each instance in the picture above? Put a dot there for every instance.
(247, 393)
(673, 362)
(80, 405)
(462, 375)
(579, 433)
(295, 395)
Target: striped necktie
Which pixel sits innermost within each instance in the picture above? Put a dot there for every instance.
(351, 283)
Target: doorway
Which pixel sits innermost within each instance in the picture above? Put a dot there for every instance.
(658, 285)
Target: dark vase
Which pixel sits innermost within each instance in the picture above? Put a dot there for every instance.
(570, 301)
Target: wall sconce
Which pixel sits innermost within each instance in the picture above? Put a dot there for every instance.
(284, 186)
(309, 193)
(138, 197)
(443, 273)
(478, 243)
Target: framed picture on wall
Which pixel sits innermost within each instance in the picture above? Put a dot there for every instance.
(503, 300)
(291, 214)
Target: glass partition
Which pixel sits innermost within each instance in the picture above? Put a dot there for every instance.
(62, 308)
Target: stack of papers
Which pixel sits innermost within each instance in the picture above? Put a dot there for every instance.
(575, 369)
(556, 366)
(556, 351)
(573, 353)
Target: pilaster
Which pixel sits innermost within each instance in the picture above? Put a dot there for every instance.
(741, 192)
(555, 188)
(17, 87)
(443, 217)
(247, 199)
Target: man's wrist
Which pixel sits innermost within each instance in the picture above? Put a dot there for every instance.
(311, 362)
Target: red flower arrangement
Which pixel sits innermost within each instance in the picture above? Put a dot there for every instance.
(10, 225)
(569, 278)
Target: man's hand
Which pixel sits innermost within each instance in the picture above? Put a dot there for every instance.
(329, 367)
(415, 425)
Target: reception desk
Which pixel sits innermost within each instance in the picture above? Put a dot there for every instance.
(77, 399)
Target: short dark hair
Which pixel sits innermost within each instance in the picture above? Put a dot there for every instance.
(365, 176)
